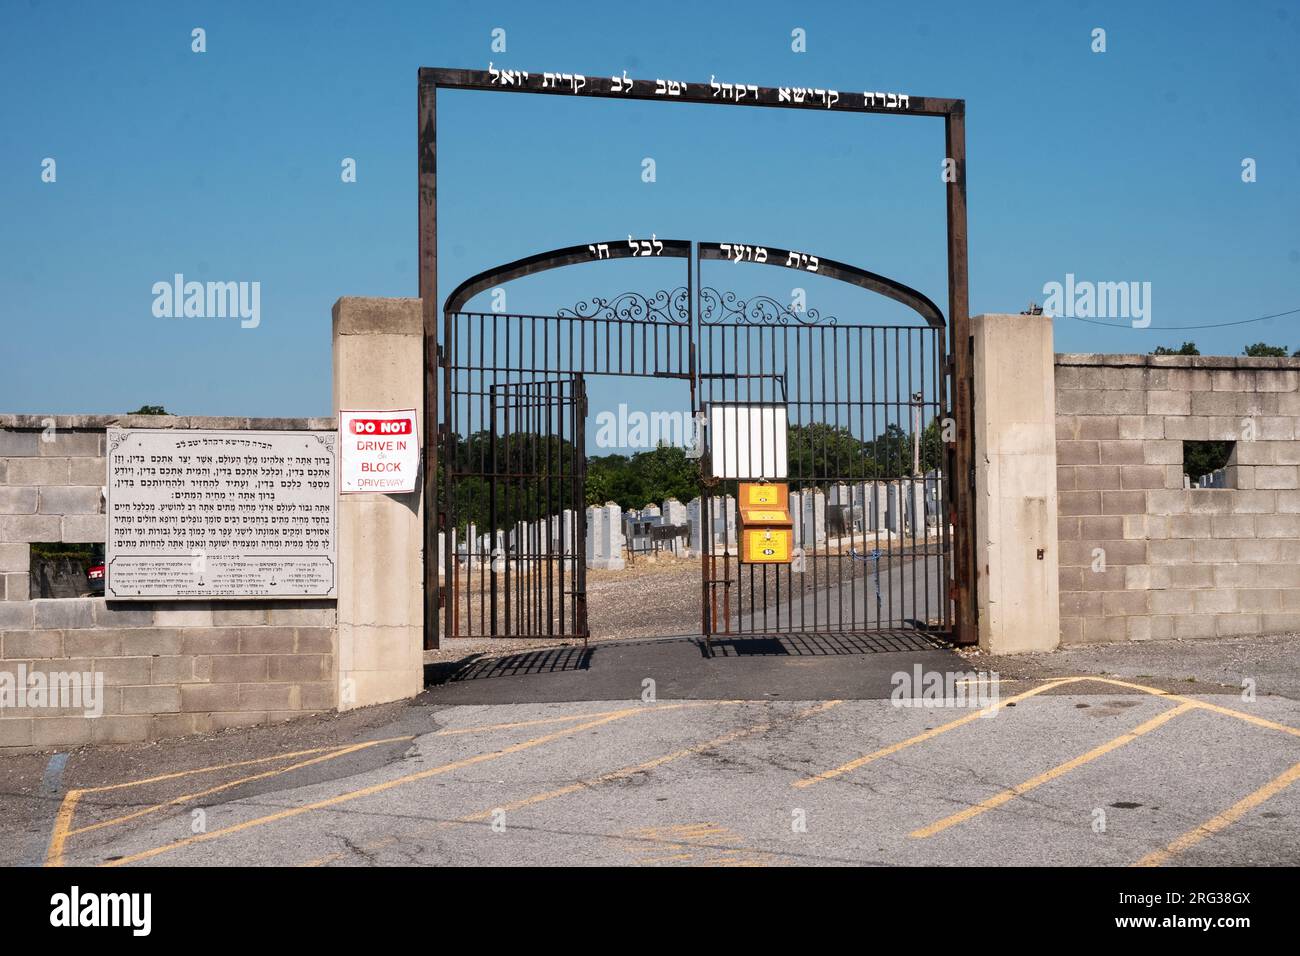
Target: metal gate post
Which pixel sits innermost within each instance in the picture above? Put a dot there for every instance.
(962, 481)
(428, 266)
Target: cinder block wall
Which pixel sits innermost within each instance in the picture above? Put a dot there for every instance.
(1142, 557)
(170, 667)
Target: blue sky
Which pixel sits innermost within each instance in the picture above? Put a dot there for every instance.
(1119, 166)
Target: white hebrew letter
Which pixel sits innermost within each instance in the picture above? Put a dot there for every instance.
(492, 72)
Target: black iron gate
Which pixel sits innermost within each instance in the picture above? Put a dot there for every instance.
(864, 441)
(514, 493)
(863, 434)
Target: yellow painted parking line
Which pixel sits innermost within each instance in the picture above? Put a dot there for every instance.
(67, 810)
(162, 778)
(1006, 795)
(1222, 820)
(929, 734)
(186, 798)
(624, 772)
(62, 823)
(485, 728)
(1201, 704)
(397, 782)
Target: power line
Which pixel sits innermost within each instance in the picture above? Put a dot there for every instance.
(1180, 328)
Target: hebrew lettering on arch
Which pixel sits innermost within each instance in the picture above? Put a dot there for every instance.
(761, 255)
(716, 87)
(783, 94)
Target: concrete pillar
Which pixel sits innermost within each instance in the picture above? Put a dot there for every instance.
(378, 364)
(1018, 593)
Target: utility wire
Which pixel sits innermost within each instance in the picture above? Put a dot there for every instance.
(1180, 328)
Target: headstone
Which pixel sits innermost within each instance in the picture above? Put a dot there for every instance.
(605, 538)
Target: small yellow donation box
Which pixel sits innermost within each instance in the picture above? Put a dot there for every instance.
(766, 529)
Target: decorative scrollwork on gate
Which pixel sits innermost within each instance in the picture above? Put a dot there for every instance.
(663, 306)
(716, 307)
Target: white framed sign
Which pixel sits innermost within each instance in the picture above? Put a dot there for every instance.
(748, 441)
(379, 452)
(217, 513)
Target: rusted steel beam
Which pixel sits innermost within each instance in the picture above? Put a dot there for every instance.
(962, 480)
(428, 268)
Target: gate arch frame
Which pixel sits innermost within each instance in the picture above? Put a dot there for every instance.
(958, 365)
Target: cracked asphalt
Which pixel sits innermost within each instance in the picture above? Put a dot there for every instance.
(1074, 763)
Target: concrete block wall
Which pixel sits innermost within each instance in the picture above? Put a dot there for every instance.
(1142, 557)
(169, 668)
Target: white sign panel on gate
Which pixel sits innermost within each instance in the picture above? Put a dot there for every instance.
(379, 451)
(748, 442)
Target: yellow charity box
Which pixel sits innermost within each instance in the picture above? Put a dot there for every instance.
(766, 529)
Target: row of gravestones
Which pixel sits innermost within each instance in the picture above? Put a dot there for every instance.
(908, 507)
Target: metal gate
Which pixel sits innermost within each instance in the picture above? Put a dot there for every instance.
(867, 444)
(515, 501)
(864, 405)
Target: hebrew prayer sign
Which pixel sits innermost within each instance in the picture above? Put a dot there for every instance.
(196, 514)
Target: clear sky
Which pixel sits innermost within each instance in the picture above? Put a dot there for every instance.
(225, 166)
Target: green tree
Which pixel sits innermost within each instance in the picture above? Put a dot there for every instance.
(1187, 348)
(1202, 457)
(150, 410)
(1263, 350)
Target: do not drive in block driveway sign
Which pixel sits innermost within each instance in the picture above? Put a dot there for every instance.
(380, 451)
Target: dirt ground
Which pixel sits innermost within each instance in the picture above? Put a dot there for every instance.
(650, 597)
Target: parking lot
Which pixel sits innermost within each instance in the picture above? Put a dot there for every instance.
(1062, 769)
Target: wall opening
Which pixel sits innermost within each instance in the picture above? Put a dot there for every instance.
(1205, 463)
